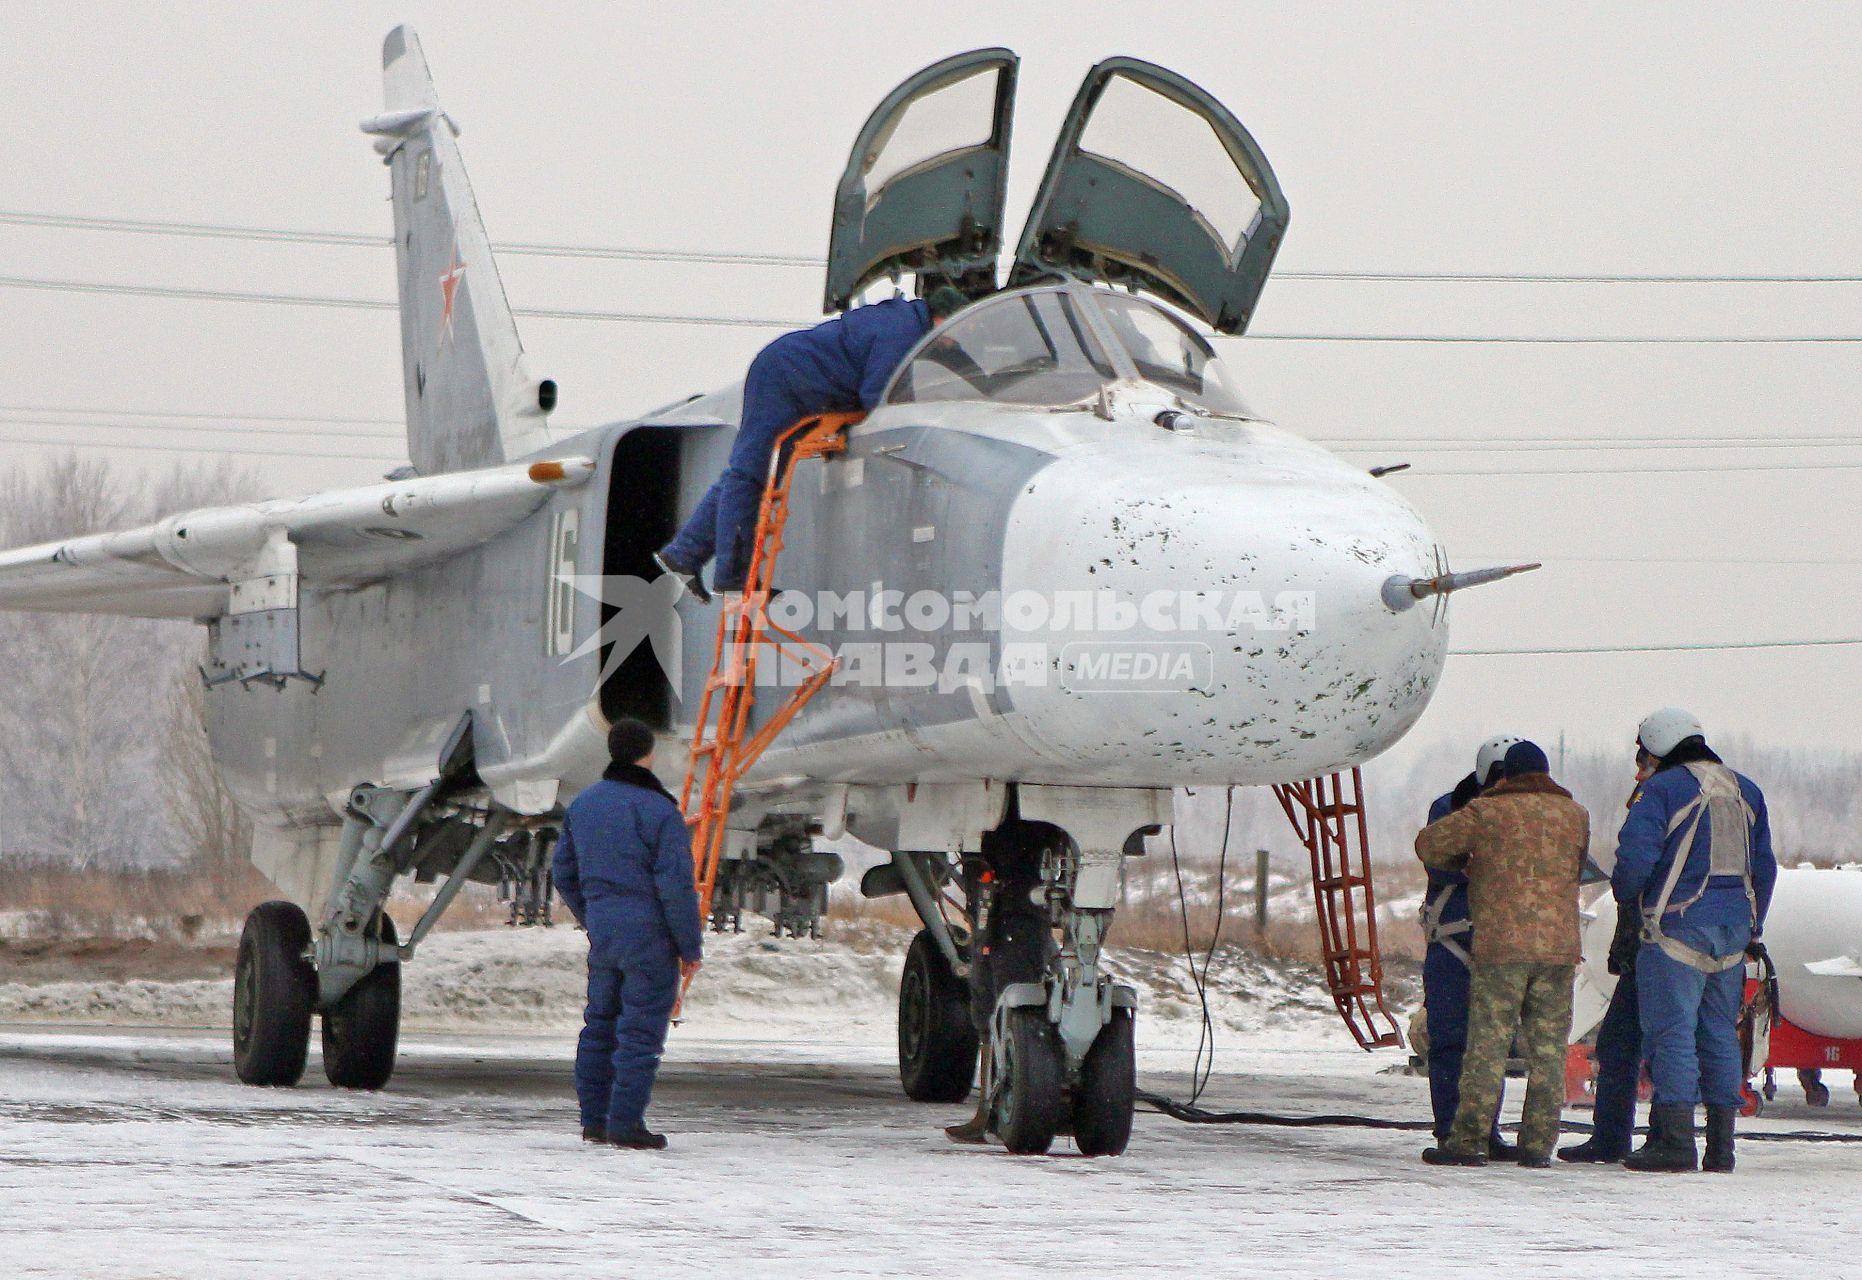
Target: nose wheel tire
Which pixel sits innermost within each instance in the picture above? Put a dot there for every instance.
(937, 1038)
(274, 992)
(1032, 1105)
(1107, 1093)
(360, 1030)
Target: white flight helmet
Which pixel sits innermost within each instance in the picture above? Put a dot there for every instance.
(1492, 755)
(1662, 731)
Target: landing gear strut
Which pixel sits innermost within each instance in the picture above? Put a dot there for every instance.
(360, 1029)
(349, 968)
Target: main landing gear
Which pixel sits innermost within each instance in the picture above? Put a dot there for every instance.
(347, 970)
(1060, 1057)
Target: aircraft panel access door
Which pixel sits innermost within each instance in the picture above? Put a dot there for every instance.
(924, 188)
(1154, 184)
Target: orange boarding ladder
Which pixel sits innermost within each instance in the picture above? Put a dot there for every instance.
(1328, 816)
(722, 747)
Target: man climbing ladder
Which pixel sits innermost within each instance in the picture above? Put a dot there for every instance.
(839, 365)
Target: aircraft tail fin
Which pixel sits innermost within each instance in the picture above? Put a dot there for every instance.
(471, 399)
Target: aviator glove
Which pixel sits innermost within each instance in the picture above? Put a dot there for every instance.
(1626, 941)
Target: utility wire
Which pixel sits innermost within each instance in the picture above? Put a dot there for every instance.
(1720, 468)
(1703, 647)
(1593, 446)
(1554, 340)
(195, 420)
(758, 322)
(1554, 559)
(352, 239)
(371, 304)
(213, 414)
(187, 448)
(183, 430)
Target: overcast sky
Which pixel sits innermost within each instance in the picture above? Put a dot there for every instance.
(1557, 138)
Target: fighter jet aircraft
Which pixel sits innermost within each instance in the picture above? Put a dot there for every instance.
(1061, 569)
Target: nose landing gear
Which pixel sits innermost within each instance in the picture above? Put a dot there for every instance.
(1061, 1032)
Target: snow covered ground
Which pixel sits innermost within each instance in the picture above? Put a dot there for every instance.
(133, 1154)
(844, 987)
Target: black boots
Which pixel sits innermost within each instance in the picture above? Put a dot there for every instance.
(596, 1133)
(1442, 1156)
(1500, 1151)
(1591, 1151)
(1719, 1156)
(641, 1139)
(1670, 1148)
(692, 578)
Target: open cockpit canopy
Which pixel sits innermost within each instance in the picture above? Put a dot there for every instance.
(1153, 185)
(924, 189)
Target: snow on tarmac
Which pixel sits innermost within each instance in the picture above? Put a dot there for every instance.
(132, 1153)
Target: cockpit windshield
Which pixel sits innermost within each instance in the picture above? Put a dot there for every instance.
(1025, 348)
(1049, 346)
(1170, 353)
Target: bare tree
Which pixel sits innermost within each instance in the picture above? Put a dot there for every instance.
(214, 833)
(86, 714)
(74, 689)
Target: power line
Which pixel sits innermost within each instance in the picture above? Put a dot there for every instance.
(186, 448)
(1713, 469)
(1561, 277)
(1590, 446)
(205, 414)
(1604, 438)
(1553, 560)
(372, 304)
(646, 317)
(1352, 444)
(351, 239)
(1705, 647)
(184, 429)
(1554, 340)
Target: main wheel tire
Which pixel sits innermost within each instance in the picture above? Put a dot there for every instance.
(274, 992)
(937, 1036)
(360, 1030)
(1031, 1106)
(1103, 1103)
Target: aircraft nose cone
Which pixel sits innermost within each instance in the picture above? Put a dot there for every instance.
(1216, 612)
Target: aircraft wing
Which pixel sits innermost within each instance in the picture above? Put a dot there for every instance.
(191, 565)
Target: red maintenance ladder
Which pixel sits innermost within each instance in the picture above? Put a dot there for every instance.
(723, 748)
(1328, 815)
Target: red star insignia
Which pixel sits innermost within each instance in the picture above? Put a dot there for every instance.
(449, 287)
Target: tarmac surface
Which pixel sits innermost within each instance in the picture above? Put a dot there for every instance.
(135, 1154)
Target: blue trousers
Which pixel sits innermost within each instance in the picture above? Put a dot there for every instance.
(1690, 1019)
(631, 992)
(1619, 1068)
(724, 523)
(1446, 983)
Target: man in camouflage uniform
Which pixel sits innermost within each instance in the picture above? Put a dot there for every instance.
(1522, 844)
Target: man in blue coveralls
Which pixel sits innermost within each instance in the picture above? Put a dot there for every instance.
(1695, 855)
(624, 868)
(1619, 1035)
(1446, 976)
(842, 364)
